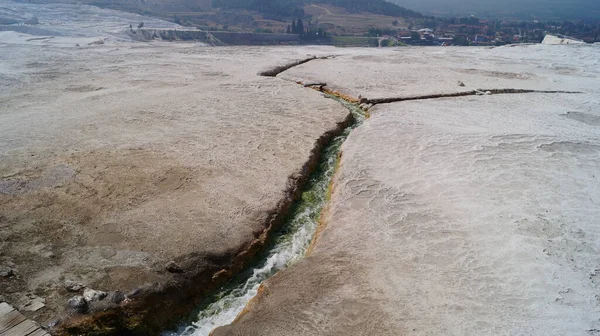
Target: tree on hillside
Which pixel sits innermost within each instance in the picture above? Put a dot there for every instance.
(309, 32)
(300, 27)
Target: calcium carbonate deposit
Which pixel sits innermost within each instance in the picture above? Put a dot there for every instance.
(560, 40)
(154, 169)
(56, 20)
(454, 216)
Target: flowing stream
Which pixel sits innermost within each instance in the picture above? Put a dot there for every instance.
(289, 245)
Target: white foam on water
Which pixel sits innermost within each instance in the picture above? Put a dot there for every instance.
(225, 310)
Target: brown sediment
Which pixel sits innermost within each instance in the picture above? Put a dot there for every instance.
(152, 308)
(367, 114)
(345, 97)
(323, 88)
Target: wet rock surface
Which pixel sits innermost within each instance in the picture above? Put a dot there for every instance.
(91, 295)
(115, 297)
(73, 286)
(6, 272)
(77, 304)
(173, 267)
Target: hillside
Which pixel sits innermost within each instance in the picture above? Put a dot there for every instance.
(340, 21)
(280, 9)
(338, 17)
(271, 9)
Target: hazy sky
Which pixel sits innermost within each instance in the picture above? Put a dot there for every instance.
(543, 9)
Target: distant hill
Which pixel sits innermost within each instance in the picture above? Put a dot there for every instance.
(509, 9)
(341, 17)
(372, 6)
(270, 9)
(278, 9)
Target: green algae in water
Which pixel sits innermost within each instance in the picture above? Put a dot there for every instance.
(289, 245)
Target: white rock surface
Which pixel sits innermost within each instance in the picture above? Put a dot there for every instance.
(91, 295)
(414, 71)
(456, 216)
(75, 21)
(557, 40)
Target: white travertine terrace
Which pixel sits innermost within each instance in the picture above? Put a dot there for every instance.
(457, 216)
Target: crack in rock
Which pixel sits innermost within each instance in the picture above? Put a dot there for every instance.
(463, 94)
(279, 69)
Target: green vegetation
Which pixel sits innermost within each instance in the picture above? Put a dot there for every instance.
(376, 32)
(354, 41)
(391, 43)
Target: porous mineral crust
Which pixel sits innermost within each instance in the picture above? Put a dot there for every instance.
(457, 216)
(143, 168)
